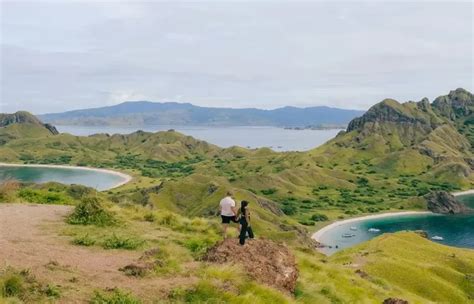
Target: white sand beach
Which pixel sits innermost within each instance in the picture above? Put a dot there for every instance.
(125, 177)
(467, 192)
(317, 235)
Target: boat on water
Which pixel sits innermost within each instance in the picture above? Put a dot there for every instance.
(437, 238)
(374, 230)
(348, 235)
(353, 228)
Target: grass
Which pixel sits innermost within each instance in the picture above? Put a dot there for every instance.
(172, 201)
(22, 287)
(116, 296)
(226, 284)
(121, 242)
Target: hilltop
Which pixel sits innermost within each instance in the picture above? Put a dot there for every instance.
(23, 124)
(140, 113)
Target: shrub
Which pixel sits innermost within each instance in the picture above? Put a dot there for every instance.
(41, 197)
(318, 217)
(52, 291)
(289, 209)
(91, 212)
(12, 286)
(115, 297)
(84, 240)
(199, 246)
(116, 242)
(269, 191)
(149, 217)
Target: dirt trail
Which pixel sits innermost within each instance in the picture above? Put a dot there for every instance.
(29, 239)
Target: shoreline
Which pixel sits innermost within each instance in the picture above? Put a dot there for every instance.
(466, 192)
(317, 235)
(126, 178)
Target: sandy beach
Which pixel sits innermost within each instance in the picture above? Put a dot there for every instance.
(126, 178)
(463, 192)
(317, 235)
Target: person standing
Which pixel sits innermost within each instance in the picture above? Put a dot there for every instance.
(228, 212)
(245, 227)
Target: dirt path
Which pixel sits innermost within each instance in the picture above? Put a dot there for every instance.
(29, 239)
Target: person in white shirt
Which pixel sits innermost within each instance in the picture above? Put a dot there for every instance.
(228, 212)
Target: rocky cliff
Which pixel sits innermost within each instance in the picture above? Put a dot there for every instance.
(445, 203)
(22, 117)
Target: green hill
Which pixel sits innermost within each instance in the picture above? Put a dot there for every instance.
(387, 160)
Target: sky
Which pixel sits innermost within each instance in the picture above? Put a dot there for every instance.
(62, 55)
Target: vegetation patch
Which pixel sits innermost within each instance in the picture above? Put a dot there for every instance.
(91, 212)
(115, 296)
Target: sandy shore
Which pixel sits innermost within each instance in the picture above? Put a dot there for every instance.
(125, 177)
(463, 192)
(317, 235)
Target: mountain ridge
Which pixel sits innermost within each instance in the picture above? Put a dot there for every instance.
(173, 113)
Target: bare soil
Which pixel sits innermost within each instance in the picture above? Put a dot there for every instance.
(30, 239)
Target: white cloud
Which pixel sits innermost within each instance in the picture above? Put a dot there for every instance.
(63, 55)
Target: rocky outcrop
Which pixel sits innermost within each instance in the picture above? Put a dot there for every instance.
(444, 202)
(22, 117)
(457, 103)
(388, 110)
(263, 260)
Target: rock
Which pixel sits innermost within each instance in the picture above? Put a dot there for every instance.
(362, 274)
(394, 301)
(136, 270)
(265, 261)
(422, 233)
(269, 205)
(444, 202)
(22, 117)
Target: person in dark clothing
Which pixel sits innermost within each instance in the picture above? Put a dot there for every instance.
(245, 227)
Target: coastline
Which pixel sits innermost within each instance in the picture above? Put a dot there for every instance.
(466, 192)
(126, 178)
(317, 235)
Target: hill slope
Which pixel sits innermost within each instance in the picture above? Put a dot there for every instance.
(171, 113)
(23, 124)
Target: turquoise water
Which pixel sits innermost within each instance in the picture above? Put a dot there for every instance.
(94, 179)
(456, 230)
(468, 200)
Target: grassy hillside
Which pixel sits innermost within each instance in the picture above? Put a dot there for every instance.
(387, 160)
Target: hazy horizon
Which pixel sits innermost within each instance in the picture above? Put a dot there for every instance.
(58, 56)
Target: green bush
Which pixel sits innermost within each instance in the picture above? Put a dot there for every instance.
(318, 217)
(269, 191)
(289, 209)
(42, 197)
(117, 242)
(12, 286)
(199, 246)
(115, 297)
(91, 212)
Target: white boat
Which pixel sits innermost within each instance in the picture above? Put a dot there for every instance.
(348, 235)
(437, 238)
(374, 230)
(353, 228)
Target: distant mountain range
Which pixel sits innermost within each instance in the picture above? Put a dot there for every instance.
(172, 113)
